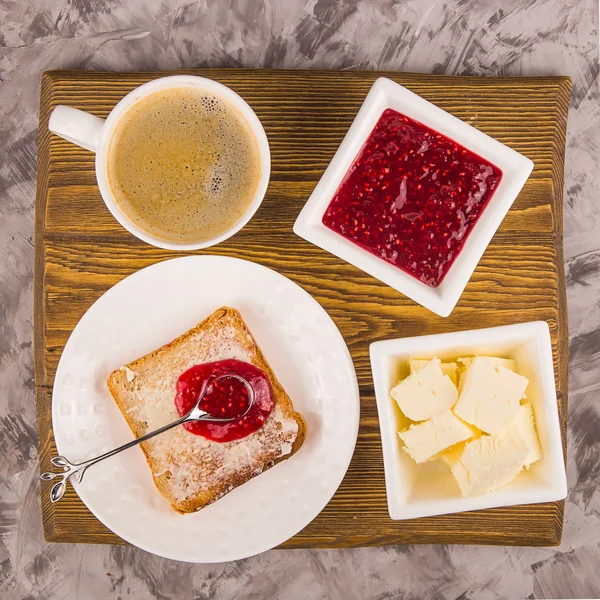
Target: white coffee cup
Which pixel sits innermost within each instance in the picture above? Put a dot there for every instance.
(94, 134)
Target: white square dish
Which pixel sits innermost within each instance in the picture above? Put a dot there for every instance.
(515, 169)
(430, 489)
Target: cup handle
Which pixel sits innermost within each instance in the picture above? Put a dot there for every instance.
(76, 126)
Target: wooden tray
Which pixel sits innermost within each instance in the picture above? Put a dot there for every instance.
(81, 251)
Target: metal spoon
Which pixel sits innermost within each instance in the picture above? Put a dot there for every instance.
(196, 414)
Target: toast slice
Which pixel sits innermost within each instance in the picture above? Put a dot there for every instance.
(189, 470)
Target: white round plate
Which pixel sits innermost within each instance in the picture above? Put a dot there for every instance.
(304, 348)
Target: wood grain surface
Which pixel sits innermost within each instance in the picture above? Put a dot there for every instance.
(81, 251)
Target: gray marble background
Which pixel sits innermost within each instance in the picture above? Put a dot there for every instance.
(467, 37)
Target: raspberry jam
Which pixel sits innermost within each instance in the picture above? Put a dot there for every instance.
(227, 398)
(411, 197)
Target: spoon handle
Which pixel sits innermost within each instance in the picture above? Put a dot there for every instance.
(151, 434)
(78, 469)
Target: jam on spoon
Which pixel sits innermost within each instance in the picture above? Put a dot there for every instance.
(226, 398)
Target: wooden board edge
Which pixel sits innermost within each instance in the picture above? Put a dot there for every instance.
(551, 537)
(61, 534)
(563, 325)
(76, 74)
(64, 536)
(40, 226)
(564, 97)
(43, 409)
(43, 405)
(308, 543)
(549, 541)
(560, 519)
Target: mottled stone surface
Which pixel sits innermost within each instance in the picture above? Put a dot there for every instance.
(524, 37)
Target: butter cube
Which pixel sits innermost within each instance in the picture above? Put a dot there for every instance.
(507, 363)
(448, 368)
(490, 395)
(424, 441)
(463, 363)
(524, 423)
(425, 393)
(490, 462)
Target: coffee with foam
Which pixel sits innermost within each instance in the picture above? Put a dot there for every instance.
(183, 164)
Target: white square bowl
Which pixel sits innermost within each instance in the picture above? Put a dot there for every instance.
(430, 489)
(515, 170)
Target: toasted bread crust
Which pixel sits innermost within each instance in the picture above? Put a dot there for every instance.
(118, 386)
